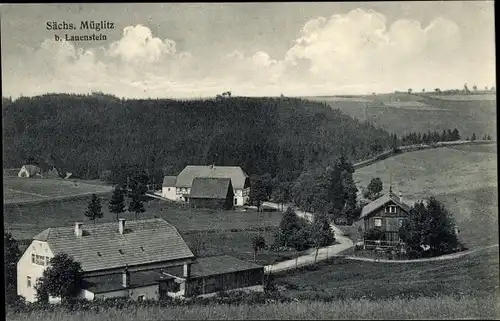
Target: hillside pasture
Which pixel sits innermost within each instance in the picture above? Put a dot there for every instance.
(402, 113)
(476, 275)
(26, 220)
(463, 177)
(22, 190)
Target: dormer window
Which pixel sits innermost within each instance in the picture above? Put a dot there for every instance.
(121, 252)
(99, 253)
(142, 249)
(391, 209)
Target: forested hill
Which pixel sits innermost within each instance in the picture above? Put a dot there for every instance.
(87, 134)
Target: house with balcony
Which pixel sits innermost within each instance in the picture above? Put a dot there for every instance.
(382, 219)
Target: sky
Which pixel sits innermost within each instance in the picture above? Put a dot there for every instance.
(183, 50)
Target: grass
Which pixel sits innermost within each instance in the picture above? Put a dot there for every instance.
(475, 275)
(463, 177)
(237, 244)
(443, 307)
(402, 113)
(27, 220)
(38, 189)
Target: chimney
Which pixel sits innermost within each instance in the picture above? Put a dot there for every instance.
(121, 225)
(126, 278)
(78, 229)
(400, 197)
(187, 270)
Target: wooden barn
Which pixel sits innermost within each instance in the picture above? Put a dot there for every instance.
(210, 275)
(215, 193)
(382, 219)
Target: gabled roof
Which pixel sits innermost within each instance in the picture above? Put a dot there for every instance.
(190, 172)
(169, 181)
(382, 201)
(206, 187)
(103, 247)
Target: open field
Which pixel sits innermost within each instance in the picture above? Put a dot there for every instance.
(402, 113)
(476, 275)
(432, 308)
(27, 220)
(19, 190)
(463, 177)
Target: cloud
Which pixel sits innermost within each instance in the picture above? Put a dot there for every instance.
(356, 52)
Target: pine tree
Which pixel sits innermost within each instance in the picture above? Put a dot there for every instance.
(321, 233)
(94, 210)
(136, 204)
(117, 202)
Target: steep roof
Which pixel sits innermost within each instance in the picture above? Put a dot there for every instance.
(190, 172)
(382, 201)
(169, 181)
(206, 187)
(103, 247)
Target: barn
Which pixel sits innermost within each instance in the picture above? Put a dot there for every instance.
(210, 275)
(215, 193)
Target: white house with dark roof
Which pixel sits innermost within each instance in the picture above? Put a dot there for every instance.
(168, 189)
(120, 248)
(239, 179)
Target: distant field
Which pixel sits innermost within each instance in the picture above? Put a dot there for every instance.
(36, 189)
(27, 220)
(463, 177)
(402, 113)
(476, 275)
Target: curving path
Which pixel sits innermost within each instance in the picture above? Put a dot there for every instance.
(343, 243)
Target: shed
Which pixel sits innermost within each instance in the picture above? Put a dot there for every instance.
(29, 171)
(210, 192)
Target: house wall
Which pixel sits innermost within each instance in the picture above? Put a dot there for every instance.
(150, 292)
(224, 282)
(180, 191)
(207, 203)
(242, 196)
(390, 221)
(169, 192)
(25, 269)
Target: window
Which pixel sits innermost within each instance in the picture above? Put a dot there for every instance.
(28, 281)
(39, 259)
(235, 201)
(378, 222)
(169, 189)
(141, 298)
(391, 209)
(401, 222)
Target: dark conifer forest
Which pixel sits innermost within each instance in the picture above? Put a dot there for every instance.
(89, 134)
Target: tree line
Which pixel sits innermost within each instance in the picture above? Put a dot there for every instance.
(102, 136)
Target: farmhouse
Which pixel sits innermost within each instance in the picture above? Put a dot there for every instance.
(184, 182)
(105, 249)
(168, 189)
(215, 193)
(382, 219)
(29, 171)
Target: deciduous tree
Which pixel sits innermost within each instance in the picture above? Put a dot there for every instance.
(258, 243)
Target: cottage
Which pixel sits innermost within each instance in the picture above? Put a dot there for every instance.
(114, 250)
(215, 193)
(382, 219)
(239, 180)
(29, 171)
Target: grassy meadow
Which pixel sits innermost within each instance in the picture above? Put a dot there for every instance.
(22, 190)
(442, 307)
(463, 177)
(401, 113)
(474, 275)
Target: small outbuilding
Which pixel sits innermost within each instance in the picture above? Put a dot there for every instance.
(30, 171)
(215, 193)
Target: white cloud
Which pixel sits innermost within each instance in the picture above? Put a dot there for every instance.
(357, 52)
